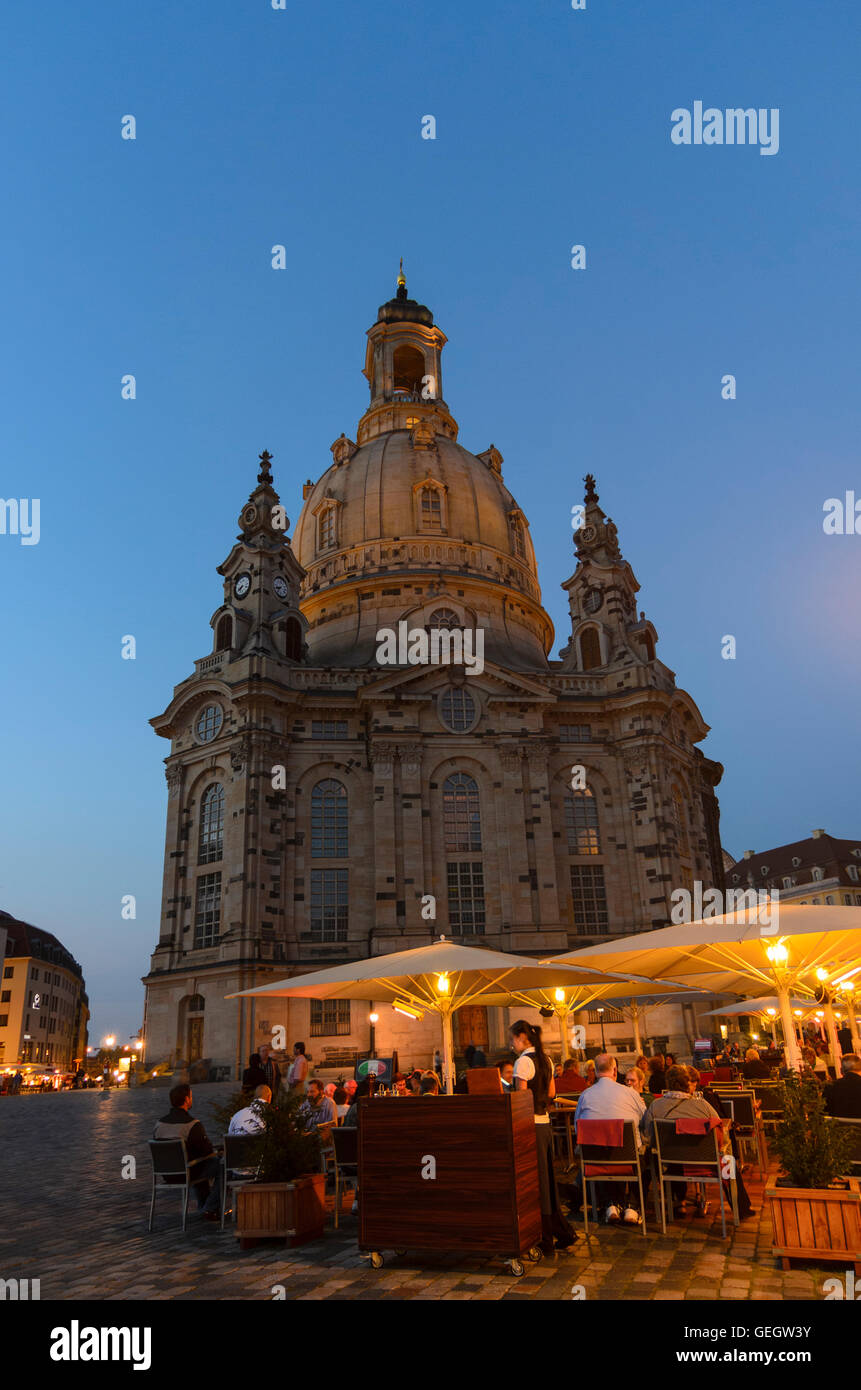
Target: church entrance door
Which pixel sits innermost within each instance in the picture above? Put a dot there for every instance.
(471, 1027)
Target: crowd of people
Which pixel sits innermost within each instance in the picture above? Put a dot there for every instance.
(653, 1088)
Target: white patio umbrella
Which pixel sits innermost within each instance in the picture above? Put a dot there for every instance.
(768, 1006)
(798, 950)
(441, 977)
(625, 992)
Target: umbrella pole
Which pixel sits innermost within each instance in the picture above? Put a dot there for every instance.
(853, 1025)
(448, 1052)
(635, 1019)
(790, 1043)
(833, 1041)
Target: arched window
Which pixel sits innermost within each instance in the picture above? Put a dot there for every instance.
(224, 633)
(211, 845)
(457, 709)
(680, 821)
(590, 649)
(818, 875)
(443, 617)
(293, 639)
(196, 1004)
(326, 529)
(431, 509)
(329, 820)
(581, 822)
(517, 541)
(408, 368)
(461, 814)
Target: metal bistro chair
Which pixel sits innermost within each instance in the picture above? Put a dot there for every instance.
(241, 1152)
(772, 1103)
(170, 1160)
(696, 1158)
(599, 1163)
(346, 1161)
(747, 1125)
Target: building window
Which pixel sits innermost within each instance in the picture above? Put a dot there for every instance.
(329, 904)
(852, 871)
(329, 820)
(518, 543)
(443, 618)
(208, 723)
(431, 509)
(330, 1018)
(589, 899)
(590, 649)
(4, 1020)
(461, 814)
(581, 822)
(8, 972)
(327, 529)
(6, 996)
(466, 914)
(224, 633)
(207, 916)
(788, 882)
(293, 639)
(575, 733)
(680, 822)
(818, 875)
(457, 709)
(329, 728)
(829, 900)
(211, 824)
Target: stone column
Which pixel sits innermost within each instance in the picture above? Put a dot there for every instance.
(385, 893)
(418, 878)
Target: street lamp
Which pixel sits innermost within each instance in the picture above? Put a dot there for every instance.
(373, 1019)
(601, 1021)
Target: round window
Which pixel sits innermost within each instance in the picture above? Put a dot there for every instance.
(209, 722)
(457, 709)
(593, 600)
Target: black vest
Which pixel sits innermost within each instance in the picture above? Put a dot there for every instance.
(539, 1085)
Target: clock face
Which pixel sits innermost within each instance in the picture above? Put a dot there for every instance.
(280, 586)
(242, 585)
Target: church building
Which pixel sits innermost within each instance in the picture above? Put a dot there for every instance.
(324, 805)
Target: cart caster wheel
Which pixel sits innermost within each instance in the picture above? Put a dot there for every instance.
(535, 1254)
(377, 1260)
(516, 1268)
(400, 1252)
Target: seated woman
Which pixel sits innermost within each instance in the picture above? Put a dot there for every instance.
(657, 1075)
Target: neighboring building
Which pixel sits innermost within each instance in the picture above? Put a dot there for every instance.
(820, 870)
(316, 797)
(44, 1009)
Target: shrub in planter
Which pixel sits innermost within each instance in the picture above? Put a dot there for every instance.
(812, 1150)
(812, 1218)
(287, 1196)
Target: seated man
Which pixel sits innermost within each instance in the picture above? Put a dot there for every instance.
(607, 1101)
(429, 1084)
(250, 1119)
(843, 1097)
(318, 1110)
(678, 1102)
(506, 1072)
(754, 1069)
(179, 1123)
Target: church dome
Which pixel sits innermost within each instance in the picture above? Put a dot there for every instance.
(407, 514)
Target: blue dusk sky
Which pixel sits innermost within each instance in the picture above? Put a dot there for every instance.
(302, 127)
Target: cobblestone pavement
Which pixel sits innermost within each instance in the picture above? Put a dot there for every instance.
(69, 1219)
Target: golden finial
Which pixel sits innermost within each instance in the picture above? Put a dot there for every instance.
(402, 279)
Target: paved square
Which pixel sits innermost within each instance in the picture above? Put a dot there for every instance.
(69, 1219)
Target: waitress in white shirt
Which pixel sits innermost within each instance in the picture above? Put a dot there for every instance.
(533, 1071)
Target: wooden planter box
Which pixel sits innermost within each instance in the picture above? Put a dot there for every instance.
(294, 1211)
(817, 1223)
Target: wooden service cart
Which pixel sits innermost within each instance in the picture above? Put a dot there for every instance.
(452, 1173)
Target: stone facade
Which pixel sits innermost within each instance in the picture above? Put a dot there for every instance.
(323, 807)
